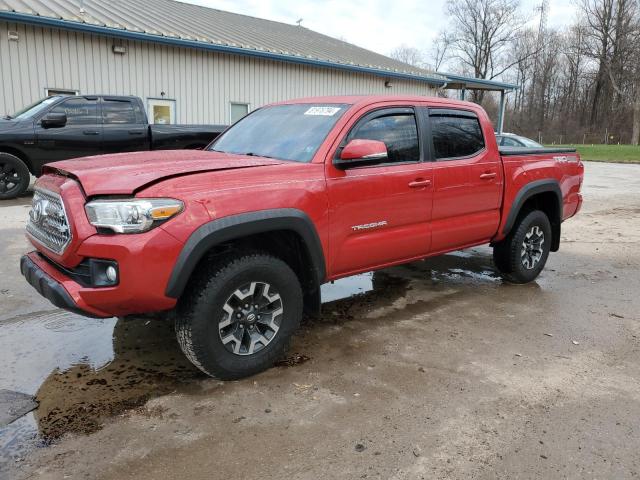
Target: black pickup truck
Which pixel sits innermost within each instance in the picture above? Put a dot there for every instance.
(62, 127)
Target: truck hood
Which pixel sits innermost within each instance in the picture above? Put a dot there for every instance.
(8, 124)
(125, 173)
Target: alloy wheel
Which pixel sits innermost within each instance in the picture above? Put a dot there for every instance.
(532, 247)
(251, 318)
(10, 178)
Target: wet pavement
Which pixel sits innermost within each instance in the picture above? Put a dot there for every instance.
(434, 369)
(83, 371)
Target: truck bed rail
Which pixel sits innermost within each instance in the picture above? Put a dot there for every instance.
(511, 151)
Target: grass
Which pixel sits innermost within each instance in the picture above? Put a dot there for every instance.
(607, 153)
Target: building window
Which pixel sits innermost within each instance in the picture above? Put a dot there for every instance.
(238, 110)
(161, 112)
(50, 92)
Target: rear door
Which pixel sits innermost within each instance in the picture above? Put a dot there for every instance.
(468, 179)
(380, 214)
(80, 137)
(124, 124)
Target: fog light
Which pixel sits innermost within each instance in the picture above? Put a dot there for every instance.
(112, 274)
(104, 273)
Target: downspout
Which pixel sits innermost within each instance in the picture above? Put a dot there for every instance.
(503, 106)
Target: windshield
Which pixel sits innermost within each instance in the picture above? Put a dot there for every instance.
(33, 109)
(285, 132)
(529, 143)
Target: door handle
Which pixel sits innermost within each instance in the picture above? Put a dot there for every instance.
(488, 176)
(90, 132)
(136, 132)
(419, 183)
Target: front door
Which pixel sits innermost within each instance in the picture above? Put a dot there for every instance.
(467, 180)
(380, 214)
(80, 137)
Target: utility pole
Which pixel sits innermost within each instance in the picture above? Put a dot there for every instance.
(537, 94)
(544, 15)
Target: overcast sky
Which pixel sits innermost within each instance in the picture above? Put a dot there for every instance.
(378, 25)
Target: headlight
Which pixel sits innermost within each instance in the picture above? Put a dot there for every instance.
(132, 215)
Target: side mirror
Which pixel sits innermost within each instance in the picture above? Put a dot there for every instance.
(54, 120)
(359, 152)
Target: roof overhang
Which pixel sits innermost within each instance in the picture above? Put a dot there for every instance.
(460, 82)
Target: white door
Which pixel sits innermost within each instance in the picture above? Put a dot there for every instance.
(161, 112)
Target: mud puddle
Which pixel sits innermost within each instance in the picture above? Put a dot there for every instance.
(83, 371)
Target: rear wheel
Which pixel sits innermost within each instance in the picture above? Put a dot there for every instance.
(14, 176)
(523, 254)
(239, 314)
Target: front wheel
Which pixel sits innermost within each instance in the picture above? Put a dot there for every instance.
(523, 254)
(239, 314)
(14, 176)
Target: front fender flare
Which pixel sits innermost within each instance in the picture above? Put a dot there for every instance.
(234, 227)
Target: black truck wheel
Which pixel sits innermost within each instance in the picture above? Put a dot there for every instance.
(14, 176)
(238, 315)
(523, 254)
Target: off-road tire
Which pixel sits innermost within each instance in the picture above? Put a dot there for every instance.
(10, 164)
(200, 310)
(508, 254)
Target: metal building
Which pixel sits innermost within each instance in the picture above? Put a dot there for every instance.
(189, 64)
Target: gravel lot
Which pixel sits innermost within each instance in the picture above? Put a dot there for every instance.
(435, 369)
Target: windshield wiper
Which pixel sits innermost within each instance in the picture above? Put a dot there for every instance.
(8, 117)
(247, 154)
(252, 154)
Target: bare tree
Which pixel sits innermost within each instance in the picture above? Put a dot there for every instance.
(575, 84)
(440, 51)
(522, 53)
(481, 33)
(407, 54)
(605, 34)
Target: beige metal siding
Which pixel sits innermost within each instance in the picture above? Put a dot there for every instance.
(202, 83)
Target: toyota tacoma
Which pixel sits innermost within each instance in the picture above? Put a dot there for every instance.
(235, 241)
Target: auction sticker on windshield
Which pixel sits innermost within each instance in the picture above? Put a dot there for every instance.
(324, 111)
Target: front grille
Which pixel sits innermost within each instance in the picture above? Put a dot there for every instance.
(47, 222)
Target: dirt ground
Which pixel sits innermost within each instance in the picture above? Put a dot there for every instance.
(435, 369)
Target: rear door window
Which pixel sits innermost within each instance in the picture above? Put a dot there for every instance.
(120, 112)
(456, 134)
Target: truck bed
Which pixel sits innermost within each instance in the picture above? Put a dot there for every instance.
(173, 137)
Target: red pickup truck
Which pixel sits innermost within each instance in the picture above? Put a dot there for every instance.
(235, 241)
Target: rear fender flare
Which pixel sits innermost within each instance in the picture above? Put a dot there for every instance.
(527, 192)
(235, 227)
